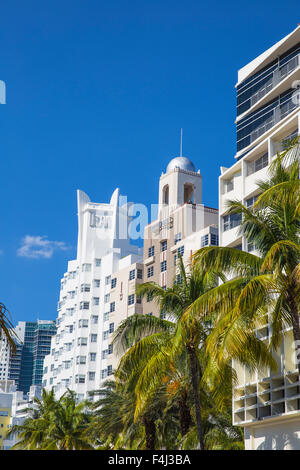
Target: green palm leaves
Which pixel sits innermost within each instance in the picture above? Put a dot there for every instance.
(166, 357)
(6, 327)
(55, 425)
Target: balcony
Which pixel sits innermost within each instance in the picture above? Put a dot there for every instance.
(275, 78)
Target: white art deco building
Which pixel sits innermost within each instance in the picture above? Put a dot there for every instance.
(81, 351)
(265, 403)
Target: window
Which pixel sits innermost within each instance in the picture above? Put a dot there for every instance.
(204, 240)
(177, 238)
(106, 316)
(113, 282)
(228, 185)
(259, 164)
(109, 370)
(150, 271)
(93, 338)
(85, 287)
(131, 299)
(105, 334)
(231, 220)
(95, 300)
(214, 239)
(95, 319)
(251, 246)
(84, 305)
(96, 282)
(82, 341)
(251, 201)
(71, 294)
(151, 251)
(107, 280)
(106, 298)
(83, 323)
(139, 274)
(163, 245)
(97, 262)
(79, 379)
(180, 250)
(138, 299)
(110, 349)
(132, 274)
(149, 297)
(163, 266)
(112, 307)
(104, 354)
(92, 376)
(111, 327)
(92, 357)
(178, 279)
(86, 267)
(81, 360)
(103, 373)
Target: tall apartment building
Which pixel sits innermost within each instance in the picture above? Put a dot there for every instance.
(183, 225)
(266, 404)
(25, 366)
(81, 351)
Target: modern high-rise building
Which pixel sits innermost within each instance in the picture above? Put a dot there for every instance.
(81, 351)
(25, 365)
(265, 403)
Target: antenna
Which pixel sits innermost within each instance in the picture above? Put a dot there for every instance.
(181, 144)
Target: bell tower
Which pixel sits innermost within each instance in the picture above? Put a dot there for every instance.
(181, 184)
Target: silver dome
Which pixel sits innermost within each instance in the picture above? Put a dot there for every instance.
(182, 163)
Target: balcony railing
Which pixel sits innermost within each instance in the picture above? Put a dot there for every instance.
(277, 114)
(276, 77)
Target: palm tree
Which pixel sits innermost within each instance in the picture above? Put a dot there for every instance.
(68, 425)
(33, 432)
(114, 426)
(158, 345)
(6, 327)
(54, 425)
(263, 287)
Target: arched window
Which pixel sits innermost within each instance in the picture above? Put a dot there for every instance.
(188, 193)
(166, 194)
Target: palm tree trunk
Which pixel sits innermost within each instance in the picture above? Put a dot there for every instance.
(195, 382)
(150, 431)
(185, 418)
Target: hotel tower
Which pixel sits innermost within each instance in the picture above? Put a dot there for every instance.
(265, 403)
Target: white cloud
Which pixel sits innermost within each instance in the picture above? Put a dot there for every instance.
(39, 247)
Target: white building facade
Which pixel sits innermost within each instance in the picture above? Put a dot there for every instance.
(265, 403)
(81, 354)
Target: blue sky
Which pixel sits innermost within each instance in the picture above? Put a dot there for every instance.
(96, 95)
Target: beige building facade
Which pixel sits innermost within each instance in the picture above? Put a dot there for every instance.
(184, 225)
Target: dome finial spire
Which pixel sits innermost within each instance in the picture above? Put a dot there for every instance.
(181, 144)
